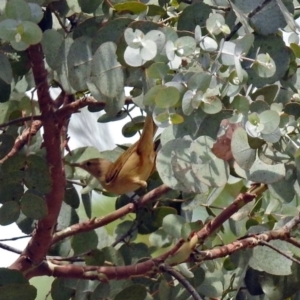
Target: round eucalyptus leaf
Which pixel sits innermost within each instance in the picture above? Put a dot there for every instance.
(133, 57)
(210, 169)
(199, 81)
(19, 45)
(18, 10)
(8, 29)
(170, 50)
(158, 37)
(132, 292)
(85, 241)
(193, 15)
(185, 46)
(241, 151)
(264, 173)
(149, 50)
(264, 65)
(172, 225)
(36, 12)
(240, 104)
(270, 261)
(214, 23)
(133, 7)
(187, 107)
(89, 6)
(159, 238)
(52, 42)
(208, 44)
(9, 212)
(60, 290)
(31, 33)
(270, 120)
(158, 70)
(107, 73)
(211, 104)
(33, 206)
(167, 97)
(133, 38)
(228, 53)
(94, 258)
(149, 98)
(80, 63)
(18, 291)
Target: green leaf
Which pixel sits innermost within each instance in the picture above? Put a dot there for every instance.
(270, 120)
(71, 196)
(185, 46)
(264, 65)
(112, 255)
(5, 70)
(241, 150)
(264, 173)
(133, 292)
(60, 291)
(270, 261)
(193, 15)
(18, 291)
(36, 12)
(159, 239)
(167, 97)
(132, 127)
(8, 276)
(133, 7)
(199, 81)
(172, 225)
(94, 258)
(33, 206)
(208, 168)
(87, 204)
(158, 70)
(8, 29)
(107, 73)
(80, 63)
(9, 212)
(101, 291)
(85, 241)
(52, 42)
(89, 6)
(18, 10)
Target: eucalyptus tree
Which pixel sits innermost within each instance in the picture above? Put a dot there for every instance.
(219, 217)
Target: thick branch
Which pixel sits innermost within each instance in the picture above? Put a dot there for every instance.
(42, 235)
(104, 274)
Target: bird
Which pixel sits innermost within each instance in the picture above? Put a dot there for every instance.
(132, 168)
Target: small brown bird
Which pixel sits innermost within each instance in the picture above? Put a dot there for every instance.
(133, 167)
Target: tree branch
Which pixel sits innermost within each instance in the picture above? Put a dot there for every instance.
(41, 240)
(181, 280)
(23, 139)
(115, 215)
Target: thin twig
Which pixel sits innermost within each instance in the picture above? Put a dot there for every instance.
(9, 248)
(16, 238)
(280, 252)
(181, 280)
(20, 120)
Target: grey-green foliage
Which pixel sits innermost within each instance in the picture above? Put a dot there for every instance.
(223, 84)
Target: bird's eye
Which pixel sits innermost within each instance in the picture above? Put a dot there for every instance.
(88, 163)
